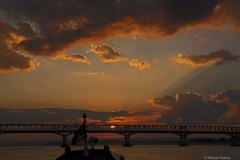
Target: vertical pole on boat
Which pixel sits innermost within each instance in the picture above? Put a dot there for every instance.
(85, 153)
(64, 137)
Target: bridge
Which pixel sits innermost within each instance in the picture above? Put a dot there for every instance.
(65, 130)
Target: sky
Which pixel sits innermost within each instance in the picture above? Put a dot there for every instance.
(121, 61)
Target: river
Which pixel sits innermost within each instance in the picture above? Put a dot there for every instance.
(137, 152)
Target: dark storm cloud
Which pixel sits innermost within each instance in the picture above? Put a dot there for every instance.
(217, 57)
(26, 29)
(193, 108)
(230, 98)
(234, 95)
(61, 24)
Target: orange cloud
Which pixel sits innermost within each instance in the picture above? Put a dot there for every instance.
(74, 58)
(12, 62)
(107, 53)
(95, 74)
(136, 119)
(217, 57)
(10, 59)
(139, 64)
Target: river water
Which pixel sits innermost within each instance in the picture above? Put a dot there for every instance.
(137, 152)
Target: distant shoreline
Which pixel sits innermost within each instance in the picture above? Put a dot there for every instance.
(196, 141)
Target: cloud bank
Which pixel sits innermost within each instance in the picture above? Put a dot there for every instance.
(221, 108)
(58, 115)
(49, 28)
(197, 109)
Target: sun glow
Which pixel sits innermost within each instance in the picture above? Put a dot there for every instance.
(112, 127)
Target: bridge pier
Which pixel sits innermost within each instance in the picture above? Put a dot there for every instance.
(183, 139)
(235, 140)
(127, 141)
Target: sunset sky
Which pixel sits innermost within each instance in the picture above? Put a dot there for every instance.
(122, 61)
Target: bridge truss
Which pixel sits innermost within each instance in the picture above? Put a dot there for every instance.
(127, 130)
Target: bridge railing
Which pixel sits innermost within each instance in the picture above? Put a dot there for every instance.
(53, 128)
(40, 128)
(162, 129)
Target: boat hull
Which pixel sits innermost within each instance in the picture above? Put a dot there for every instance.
(94, 154)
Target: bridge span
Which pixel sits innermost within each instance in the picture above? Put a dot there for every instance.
(126, 130)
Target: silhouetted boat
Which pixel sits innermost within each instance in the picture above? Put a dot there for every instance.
(85, 153)
(94, 154)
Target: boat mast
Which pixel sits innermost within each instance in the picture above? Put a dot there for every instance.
(85, 143)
